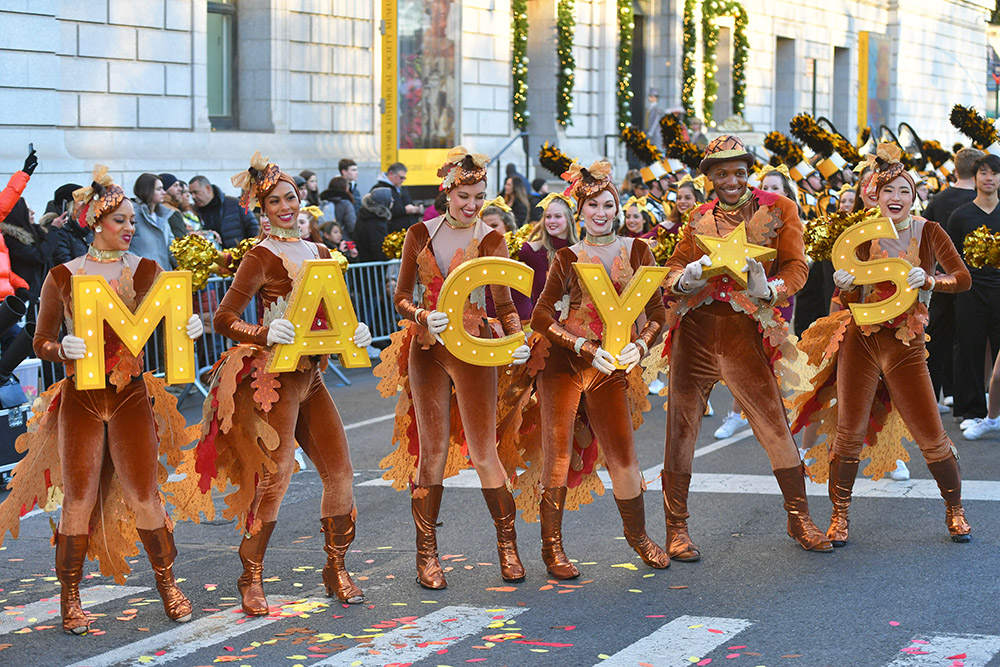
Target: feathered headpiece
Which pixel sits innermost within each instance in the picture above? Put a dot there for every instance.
(805, 128)
(676, 143)
(553, 159)
(98, 198)
(640, 144)
(783, 149)
(587, 182)
(968, 121)
(888, 164)
(462, 168)
(256, 181)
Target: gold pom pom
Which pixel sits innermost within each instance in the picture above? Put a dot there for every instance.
(341, 259)
(821, 233)
(392, 244)
(665, 244)
(982, 248)
(196, 254)
(236, 254)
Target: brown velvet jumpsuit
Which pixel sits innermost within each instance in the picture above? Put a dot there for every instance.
(569, 375)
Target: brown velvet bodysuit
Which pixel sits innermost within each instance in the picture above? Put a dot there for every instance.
(567, 375)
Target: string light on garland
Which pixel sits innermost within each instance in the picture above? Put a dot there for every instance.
(626, 32)
(689, 67)
(519, 62)
(565, 26)
(710, 11)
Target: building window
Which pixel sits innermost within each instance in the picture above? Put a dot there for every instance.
(221, 29)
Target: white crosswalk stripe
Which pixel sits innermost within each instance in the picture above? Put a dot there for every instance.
(948, 650)
(37, 613)
(683, 641)
(443, 627)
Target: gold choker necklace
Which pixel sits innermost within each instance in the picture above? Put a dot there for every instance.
(455, 224)
(744, 198)
(283, 234)
(604, 239)
(104, 256)
(904, 225)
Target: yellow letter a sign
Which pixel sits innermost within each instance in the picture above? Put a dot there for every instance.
(619, 312)
(321, 282)
(892, 269)
(95, 303)
(454, 295)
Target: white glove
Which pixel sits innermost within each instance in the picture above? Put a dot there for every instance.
(281, 332)
(757, 285)
(362, 335)
(437, 322)
(195, 327)
(916, 277)
(691, 278)
(73, 348)
(844, 280)
(629, 356)
(521, 355)
(603, 361)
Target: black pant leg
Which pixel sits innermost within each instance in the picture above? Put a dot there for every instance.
(940, 347)
(971, 335)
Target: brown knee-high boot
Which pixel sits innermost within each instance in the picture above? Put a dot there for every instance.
(633, 511)
(161, 552)
(801, 528)
(949, 480)
(425, 503)
(250, 582)
(675, 494)
(500, 501)
(71, 552)
(843, 472)
(339, 533)
(551, 513)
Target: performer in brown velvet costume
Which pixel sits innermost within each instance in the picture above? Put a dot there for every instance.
(720, 332)
(246, 402)
(577, 366)
(894, 352)
(102, 433)
(432, 250)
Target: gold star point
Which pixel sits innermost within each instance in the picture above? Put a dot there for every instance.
(729, 254)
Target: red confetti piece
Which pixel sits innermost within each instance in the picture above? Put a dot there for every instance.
(704, 662)
(960, 656)
(736, 648)
(918, 641)
(657, 616)
(732, 655)
(893, 623)
(718, 632)
(442, 651)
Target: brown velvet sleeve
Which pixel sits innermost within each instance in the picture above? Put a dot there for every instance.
(228, 320)
(55, 290)
(413, 244)
(790, 265)
(656, 314)
(941, 250)
(494, 245)
(543, 317)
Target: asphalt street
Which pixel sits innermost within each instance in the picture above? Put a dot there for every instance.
(900, 594)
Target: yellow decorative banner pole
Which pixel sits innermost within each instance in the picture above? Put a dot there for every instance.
(619, 312)
(729, 254)
(891, 269)
(454, 295)
(95, 303)
(322, 283)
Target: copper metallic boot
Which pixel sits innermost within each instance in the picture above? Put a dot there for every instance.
(71, 552)
(161, 552)
(843, 472)
(801, 528)
(339, 533)
(949, 481)
(551, 513)
(250, 582)
(633, 513)
(675, 494)
(500, 501)
(425, 503)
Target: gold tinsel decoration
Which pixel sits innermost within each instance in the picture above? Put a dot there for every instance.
(198, 255)
(982, 249)
(392, 244)
(516, 239)
(553, 159)
(821, 233)
(665, 244)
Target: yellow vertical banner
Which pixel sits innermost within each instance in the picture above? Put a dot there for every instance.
(390, 68)
(321, 284)
(862, 79)
(95, 304)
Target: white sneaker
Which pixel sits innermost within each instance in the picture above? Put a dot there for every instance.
(949, 401)
(655, 387)
(969, 422)
(981, 428)
(901, 473)
(709, 411)
(943, 409)
(732, 423)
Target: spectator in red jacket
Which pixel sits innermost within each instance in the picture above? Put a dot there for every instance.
(16, 184)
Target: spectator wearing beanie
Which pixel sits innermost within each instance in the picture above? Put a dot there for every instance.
(173, 190)
(373, 225)
(69, 240)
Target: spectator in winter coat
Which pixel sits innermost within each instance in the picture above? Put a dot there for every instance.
(29, 246)
(16, 184)
(373, 225)
(338, 204)
(173, 192)
(222, 214)
(152, 221)
(404, 212)
(349, 171)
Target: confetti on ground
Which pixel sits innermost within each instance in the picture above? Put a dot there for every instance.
(893, 623)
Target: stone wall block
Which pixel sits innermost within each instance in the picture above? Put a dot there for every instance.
(178, 80)
(178, 15)
(107, 110)
(83, 74)
(104, 41)
(136, 78)
(164, 46)
(147, 14)
(165, 112)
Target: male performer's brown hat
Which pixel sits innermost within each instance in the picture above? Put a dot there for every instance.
(723, 148)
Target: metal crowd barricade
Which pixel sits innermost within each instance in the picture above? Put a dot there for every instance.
(370, 284)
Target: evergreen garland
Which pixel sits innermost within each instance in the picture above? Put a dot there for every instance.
(519, 65)
(565, 25)
(689, 69)
(741, 49)
(626, 30)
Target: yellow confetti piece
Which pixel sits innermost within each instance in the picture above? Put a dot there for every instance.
(692, 627)
(145, 658)
(494, 611)
(298, 657)
(383, 547)
(428, 601)
(694, 658)
(397, 604)
(627, 566)
(539, 650)
(603, 656)
(634, 590)
(356, 663)
(647, 576)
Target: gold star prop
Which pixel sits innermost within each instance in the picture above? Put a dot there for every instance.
(729, 254)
